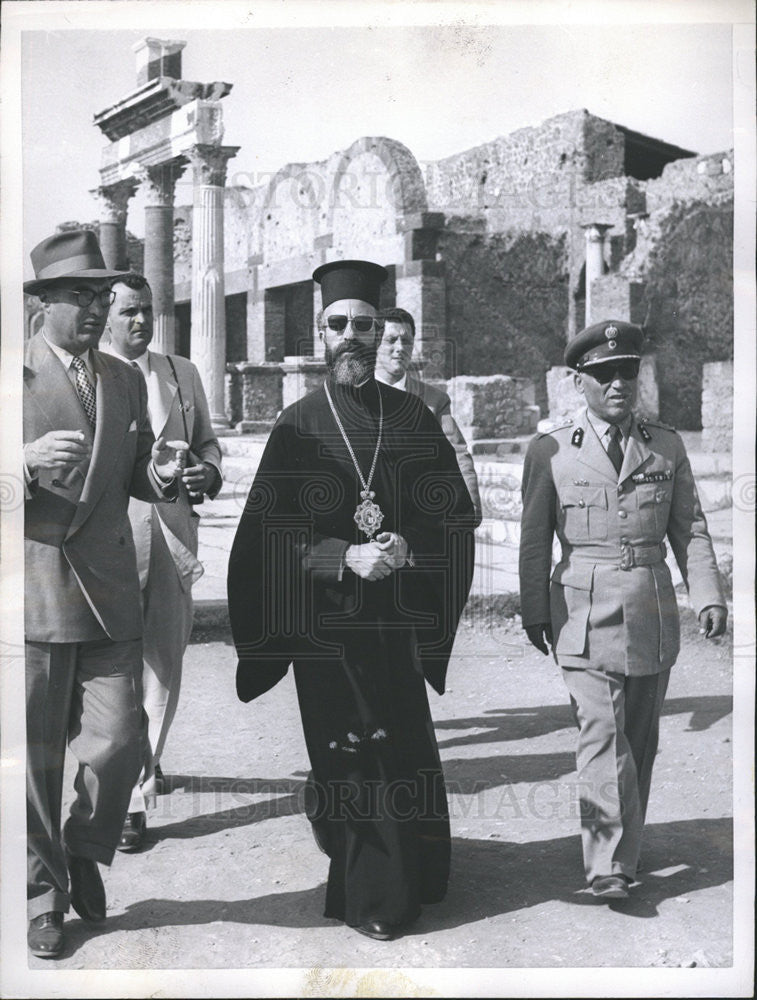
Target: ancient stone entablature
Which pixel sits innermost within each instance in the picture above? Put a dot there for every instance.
(154, 133)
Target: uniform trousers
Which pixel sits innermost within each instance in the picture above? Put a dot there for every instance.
(89, 695)
(167, 625)
(618, 719)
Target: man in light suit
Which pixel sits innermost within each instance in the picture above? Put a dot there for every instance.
(165, 535)
(613, 488)
(88, 447)
(393, 358)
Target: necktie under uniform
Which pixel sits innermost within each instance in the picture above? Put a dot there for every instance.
(86, 390)
(614, 451)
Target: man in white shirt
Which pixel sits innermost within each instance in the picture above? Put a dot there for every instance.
(393, 359)
(165, 538)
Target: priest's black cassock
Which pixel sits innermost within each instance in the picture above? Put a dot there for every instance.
(360, 648)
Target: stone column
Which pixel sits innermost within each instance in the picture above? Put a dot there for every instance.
(208, 300)
(114, 200)
(595, 260)
(319, 347)
(159, 183)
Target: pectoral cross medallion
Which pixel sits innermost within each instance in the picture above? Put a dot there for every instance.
(368, 515)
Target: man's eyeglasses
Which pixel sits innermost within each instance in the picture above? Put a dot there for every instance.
(360, 324)
(86, 296)
(607, 371)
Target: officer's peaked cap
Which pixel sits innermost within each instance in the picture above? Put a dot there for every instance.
(610, 340)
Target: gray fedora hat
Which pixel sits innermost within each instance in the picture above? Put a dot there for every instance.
(73, 254)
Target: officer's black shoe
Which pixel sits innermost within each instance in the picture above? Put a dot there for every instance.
(610, 886)
(45, 935)
(133, 833)
(379, 930)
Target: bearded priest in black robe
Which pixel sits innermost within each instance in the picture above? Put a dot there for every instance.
(353, 561)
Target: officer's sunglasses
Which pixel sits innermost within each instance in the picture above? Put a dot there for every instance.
(605, 373)
(360, 324)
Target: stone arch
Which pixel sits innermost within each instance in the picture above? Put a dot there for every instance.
(390, 187)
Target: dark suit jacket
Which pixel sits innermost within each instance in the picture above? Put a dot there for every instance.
(441, 406)
(81, 570)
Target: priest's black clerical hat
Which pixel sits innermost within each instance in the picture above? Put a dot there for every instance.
(350, 279)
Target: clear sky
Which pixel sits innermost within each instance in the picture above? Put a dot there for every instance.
(300, 93)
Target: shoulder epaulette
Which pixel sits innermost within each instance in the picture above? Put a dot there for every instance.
(568, 422)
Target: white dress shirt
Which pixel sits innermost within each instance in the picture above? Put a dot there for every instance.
(402, 384)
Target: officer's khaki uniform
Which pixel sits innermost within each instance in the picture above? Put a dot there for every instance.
(612, 606)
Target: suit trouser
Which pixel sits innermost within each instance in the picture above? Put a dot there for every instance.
(619, 722)
(88, 694)
(167, 625)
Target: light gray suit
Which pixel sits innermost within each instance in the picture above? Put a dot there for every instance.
(82, 617)
(165, 537)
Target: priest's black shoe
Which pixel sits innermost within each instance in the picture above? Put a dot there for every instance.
(379, 930)
(45, 935)
(133, 833)
(87, 890)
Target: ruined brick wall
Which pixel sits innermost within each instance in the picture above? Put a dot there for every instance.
(684, 259)
(506, 302)
(515, 179)
(701, 178)
(689, 292)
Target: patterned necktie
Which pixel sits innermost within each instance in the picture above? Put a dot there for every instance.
(85, 389)
(614, 450)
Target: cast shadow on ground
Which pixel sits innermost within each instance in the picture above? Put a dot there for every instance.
(287, 795)
(489, 878)
(288, 800)
(469, 776)
(500, 725)
(705, 710)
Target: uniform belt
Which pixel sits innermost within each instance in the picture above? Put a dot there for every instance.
(630, 555)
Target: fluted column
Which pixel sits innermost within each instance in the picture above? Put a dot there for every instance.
(595, 259)
(159, 184)
(114, 201)
(208, 291)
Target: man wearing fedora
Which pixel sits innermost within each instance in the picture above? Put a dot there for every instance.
(613, 488)
(88, 446)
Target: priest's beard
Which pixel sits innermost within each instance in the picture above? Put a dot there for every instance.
(351, 364)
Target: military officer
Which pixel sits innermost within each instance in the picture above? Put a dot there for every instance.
(613, 488)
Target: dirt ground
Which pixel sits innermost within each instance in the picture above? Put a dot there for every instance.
(230, 877)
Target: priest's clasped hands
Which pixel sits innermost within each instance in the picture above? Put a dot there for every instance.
(378, 558)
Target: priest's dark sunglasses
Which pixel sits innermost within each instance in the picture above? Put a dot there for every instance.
(86, 296)
(607, 371)
(360, 324)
